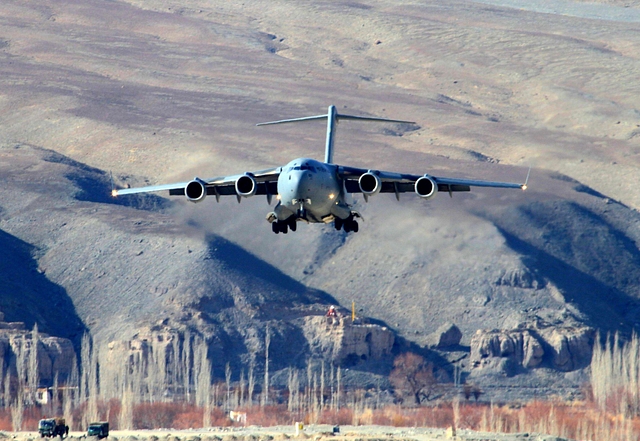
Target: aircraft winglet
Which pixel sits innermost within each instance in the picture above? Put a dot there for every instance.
(526, 181)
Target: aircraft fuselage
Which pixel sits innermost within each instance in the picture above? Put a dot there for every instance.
(318, 192)
(310, 190)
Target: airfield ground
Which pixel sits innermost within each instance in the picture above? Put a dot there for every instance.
(313, 432)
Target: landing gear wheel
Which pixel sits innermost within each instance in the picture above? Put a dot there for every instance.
(293, 224)
(274, 227)
(348, 225)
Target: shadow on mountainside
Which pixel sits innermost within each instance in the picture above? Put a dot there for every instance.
(26, 295)
(263, 297)
(278, 285)
(95, 185)
(604, 305)
(594, 265)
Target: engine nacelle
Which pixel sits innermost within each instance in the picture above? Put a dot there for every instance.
(370, 184)
(246, 186)
(426, 187)
(195, 190)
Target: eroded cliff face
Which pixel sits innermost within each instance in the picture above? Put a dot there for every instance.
(337, 339)
(343, 342)
(55, 356)
(162, 355)
(565, 348)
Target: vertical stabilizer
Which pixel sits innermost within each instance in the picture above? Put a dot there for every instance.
(332, 120)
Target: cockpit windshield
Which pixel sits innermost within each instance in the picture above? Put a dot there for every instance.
(303, 167)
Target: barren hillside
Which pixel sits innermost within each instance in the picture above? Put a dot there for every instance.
(160, 91)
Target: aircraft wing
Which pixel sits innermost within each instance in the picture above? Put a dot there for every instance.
(391, 182)
(262, 182)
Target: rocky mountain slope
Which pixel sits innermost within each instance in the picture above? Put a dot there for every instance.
(160, 91)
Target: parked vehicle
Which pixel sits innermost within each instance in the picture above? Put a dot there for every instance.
(53, 427)
(100, 430)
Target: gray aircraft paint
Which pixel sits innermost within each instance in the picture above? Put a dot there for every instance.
(318, 192)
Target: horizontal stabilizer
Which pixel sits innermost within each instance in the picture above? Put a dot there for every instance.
(338, 117)
(332, 116)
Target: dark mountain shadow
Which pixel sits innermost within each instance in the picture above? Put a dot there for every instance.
(606, 307)
(276, 296)
(26, 295)
(95, 185)
(580, 187)
(238, 260)
(226, 346)
(595, 265)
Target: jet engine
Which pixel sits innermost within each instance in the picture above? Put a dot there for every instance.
(246, 186)
(370, 184)
(195, 190)
(426, 187)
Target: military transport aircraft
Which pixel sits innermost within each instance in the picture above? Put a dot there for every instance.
(312, 191)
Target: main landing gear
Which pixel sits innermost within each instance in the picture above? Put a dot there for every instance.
(348, 225)
(284, 226)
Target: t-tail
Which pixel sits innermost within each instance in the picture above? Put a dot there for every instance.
(333, 117)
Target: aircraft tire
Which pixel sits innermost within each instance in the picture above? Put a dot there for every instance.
(283, 228)
(355, 227)
(293, 225)
(275, 227)
(338, 223)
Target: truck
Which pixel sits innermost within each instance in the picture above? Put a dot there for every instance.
(53, 427)
(100, 429)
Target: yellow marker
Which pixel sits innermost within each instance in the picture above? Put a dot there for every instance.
(353, 311)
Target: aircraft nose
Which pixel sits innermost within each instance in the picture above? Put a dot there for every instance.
(301, 186)
(305, 183)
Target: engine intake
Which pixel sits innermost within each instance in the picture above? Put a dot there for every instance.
(195, 190)
(426, 187)
(370, 184)
(246, 186)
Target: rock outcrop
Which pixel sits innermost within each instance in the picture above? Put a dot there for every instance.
(445, 336)
(568, 348)
(344, 342)
(562, 348)
(520, 346)
(335, 339)
(55, 355)
(158, 356)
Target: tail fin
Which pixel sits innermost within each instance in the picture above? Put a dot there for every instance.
(333, 117)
